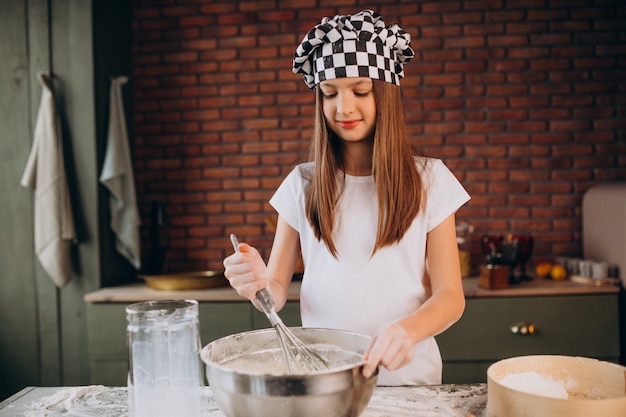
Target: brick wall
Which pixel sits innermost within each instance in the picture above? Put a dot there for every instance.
(524, 101)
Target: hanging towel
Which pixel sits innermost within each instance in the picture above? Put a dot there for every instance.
(117, 176)
(45, 174)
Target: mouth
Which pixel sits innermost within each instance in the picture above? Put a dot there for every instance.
(348, 124)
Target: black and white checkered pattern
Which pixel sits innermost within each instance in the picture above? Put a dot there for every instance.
(358, 45)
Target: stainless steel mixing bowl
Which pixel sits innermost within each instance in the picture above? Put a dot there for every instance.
(340, 391)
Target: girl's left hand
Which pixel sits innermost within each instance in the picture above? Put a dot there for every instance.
(391, 347)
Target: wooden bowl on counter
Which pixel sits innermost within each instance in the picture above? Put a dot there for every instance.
(555, 386)
(181, 281)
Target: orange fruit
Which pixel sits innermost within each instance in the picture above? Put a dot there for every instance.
(543, 269)
(558, 273)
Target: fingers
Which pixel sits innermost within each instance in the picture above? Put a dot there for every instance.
(245, 248)
(391, 347)
(246, 271)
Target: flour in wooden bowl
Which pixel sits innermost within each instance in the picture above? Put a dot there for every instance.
(533, 383)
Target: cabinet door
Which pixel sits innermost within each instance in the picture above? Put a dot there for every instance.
(568, 325)
(106, 330)
(219, 319)
(106, 341)
(572, 325)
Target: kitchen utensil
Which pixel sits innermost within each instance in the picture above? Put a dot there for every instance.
(180, 281)
(298, 356)
(592, 387)
(165, 375)
(339, 391)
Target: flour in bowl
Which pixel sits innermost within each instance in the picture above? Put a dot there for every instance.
(272, 362)
(533, 383)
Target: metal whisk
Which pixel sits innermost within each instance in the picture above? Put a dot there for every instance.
(297, 355)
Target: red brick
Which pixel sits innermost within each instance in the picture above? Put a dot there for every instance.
(529, 200)
(509, 212)
(507, 90)
(526, 77)
(505, 16)
(529, 126)
(485, 78)
(464, 42)
(507, 115)
(485, 103)
(464, 66)
(485, 53)
(595, 137)
(528, 53)
(527, 28)
(572, 100)
(551, 113)
(508, 65)
(442, 128)
(507, 40)
(571, 176)
(570, 26)
(509, 139)
(549, 138)
(464, 115)
(430, 105)
(443, 79)
(548, 15)
(529, 102)
(550, 64)
(444, 55)
(572, 51)
(572, 125)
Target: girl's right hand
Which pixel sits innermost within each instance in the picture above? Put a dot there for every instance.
(246, 271)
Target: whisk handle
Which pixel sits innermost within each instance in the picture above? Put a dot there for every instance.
(266, 300)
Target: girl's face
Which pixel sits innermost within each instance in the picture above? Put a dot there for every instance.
(349, 107)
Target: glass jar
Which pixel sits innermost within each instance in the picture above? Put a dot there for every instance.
(165, 371)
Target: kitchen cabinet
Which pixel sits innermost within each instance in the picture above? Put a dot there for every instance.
(575, 325)
(570, 319)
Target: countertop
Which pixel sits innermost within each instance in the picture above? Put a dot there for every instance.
(100, 401)
(536, 287)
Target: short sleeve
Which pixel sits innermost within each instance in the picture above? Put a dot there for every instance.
(288, 200)
(445, 194)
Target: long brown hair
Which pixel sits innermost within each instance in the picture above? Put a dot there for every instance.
(399, 186)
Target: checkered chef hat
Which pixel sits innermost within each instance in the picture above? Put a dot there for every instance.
(358, 45)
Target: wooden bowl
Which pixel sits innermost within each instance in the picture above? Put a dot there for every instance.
(593, 387)
(182, 281)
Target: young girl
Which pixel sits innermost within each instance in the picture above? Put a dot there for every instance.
(373, 222)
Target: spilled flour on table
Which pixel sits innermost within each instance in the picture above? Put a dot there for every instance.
(80, 402)
(533, 383)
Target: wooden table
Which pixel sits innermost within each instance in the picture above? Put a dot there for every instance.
(100, 401)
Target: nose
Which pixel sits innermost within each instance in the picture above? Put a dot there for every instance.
(345, 104)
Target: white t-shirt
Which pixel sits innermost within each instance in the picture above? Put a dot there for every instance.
(359, 292)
